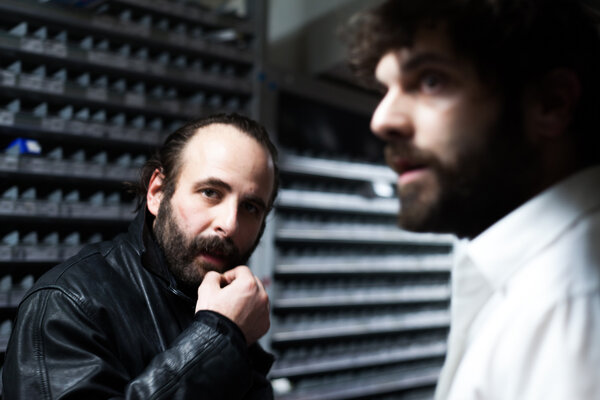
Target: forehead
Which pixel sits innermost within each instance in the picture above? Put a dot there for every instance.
(430, 45)
(223, 151)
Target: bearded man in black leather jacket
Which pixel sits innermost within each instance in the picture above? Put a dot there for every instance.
(167, 310)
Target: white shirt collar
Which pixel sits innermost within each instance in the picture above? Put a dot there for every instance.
(504, 247)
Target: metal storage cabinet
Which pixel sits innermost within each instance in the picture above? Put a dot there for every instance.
(360, 307)
(91, 87)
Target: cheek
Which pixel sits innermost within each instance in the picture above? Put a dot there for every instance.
(438, 129)
(247, 234)
(449, 129)
(191, 220)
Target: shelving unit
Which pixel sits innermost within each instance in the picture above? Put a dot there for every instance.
(95, 89)
(360, 307)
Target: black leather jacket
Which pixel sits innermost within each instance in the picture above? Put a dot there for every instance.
(110, 323)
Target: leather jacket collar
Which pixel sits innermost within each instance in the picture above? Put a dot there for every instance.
(153, 258)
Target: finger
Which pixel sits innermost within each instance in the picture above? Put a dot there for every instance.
(236, 272)
(260, 285)
(212, 278)
(263, 293)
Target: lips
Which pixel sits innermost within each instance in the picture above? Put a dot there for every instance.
(215, 250)
(214, 258)
(213, 253)
(405, 166)
(402, 165)
(411, 165)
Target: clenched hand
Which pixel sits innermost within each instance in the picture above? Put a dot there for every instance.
(240, 296)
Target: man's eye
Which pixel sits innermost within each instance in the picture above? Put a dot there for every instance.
(209, 193)
(431, 82)
(251, 208)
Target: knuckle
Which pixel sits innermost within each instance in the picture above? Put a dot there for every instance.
(243, 269)
(264, 298)
(251, 284)
(211, 274)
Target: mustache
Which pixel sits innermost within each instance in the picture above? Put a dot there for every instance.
(223, 247)
(408, 154)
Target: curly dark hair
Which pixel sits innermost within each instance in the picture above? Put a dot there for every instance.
(511, 43)
(167, 158)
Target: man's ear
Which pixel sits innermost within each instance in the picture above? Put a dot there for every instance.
(154, 194)
(551, 104)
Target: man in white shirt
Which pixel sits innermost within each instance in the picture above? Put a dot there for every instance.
(490, 118)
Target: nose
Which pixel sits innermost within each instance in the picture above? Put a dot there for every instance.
(392, 118)
(225, 221)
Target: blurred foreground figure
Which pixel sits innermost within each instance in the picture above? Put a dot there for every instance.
(491, 120)
(167, 310)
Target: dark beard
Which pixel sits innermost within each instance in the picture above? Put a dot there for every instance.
(490, 180)
(181, 253)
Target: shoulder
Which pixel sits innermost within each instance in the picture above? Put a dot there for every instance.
(566, 267)
(554, 354)
(91, 268)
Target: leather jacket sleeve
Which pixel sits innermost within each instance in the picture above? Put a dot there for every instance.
(58, 350)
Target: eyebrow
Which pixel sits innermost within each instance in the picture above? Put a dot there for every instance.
(216, 182)
(212, 182)
(420, 59)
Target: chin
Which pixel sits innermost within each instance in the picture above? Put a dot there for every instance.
(445, 218)
(418, 213)
(414, 225)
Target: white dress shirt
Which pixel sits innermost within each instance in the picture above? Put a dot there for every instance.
(525, 302)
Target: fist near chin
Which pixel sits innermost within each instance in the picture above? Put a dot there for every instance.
(238, 295)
